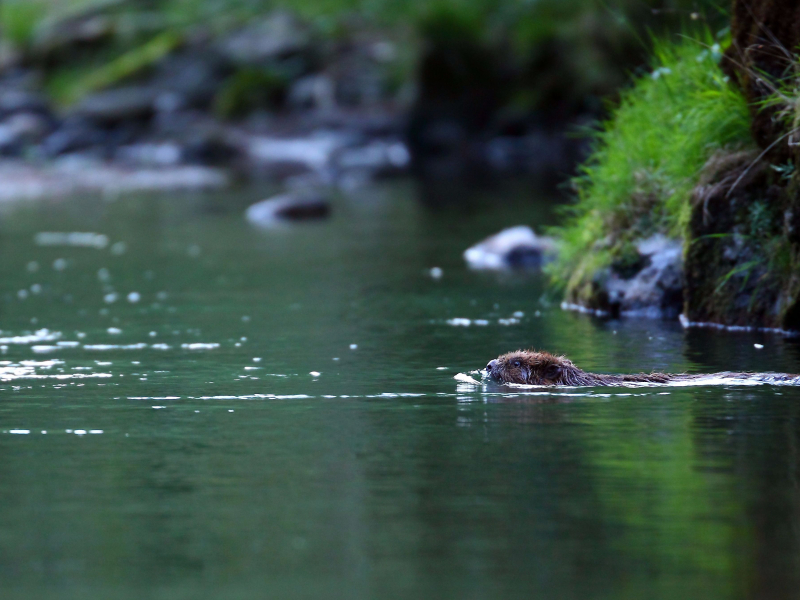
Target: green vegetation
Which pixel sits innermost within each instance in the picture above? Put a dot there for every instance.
(580, 48)
(648, 156)
(69, 85)
(21, 20)
(248, 90)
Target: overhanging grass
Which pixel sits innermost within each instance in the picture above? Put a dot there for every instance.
(647, 158)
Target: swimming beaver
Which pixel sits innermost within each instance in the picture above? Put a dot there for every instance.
(542, 368)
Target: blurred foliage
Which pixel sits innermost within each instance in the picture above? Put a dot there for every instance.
(69, 85)
(22, 20)
(563, 55)
(248, 90)
(648, 156)
(521, 24)
(19, 20)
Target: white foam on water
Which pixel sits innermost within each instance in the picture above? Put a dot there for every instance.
(28, 370)
(459, 322)
(464, 378)
(511, 321)
(42, 335)
(75, 238)
(106, 347)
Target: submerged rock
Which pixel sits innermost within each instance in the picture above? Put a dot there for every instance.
(300, 206)
(516, 247)
(654, 288)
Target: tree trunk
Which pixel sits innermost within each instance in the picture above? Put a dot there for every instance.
(763, 55)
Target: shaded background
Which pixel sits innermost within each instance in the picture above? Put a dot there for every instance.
(474, 87)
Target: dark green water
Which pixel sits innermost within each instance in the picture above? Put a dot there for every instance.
(226, 470)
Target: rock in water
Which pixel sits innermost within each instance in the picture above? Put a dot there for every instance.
(121, 104)
(288, 207)
(13, 101)
(657, 289)
(516, 247)
(652, 286)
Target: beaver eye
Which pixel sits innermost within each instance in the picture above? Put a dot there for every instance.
(516, 363)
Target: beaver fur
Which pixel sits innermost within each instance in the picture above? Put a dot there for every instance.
(542, 368)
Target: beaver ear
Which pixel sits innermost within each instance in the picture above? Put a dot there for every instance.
(552, 371)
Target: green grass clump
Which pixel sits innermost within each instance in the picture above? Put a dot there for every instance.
(648, 156)
(71, 84)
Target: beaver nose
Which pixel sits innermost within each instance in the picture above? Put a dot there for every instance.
(492, 364)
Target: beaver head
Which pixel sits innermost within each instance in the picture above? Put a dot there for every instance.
(533, 368)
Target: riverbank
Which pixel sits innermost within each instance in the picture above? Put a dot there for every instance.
(198, 113)
(701, 151)
(334, 95)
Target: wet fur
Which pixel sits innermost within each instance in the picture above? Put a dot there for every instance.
(542, 368)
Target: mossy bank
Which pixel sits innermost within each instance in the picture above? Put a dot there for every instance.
(687, 157)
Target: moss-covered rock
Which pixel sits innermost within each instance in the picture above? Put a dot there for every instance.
(743, 251)
(647, 159)
(649, 282)
(738, 261)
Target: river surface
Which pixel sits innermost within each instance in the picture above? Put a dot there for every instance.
(194, 408)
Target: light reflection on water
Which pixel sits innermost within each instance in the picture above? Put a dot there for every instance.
(235, 413)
